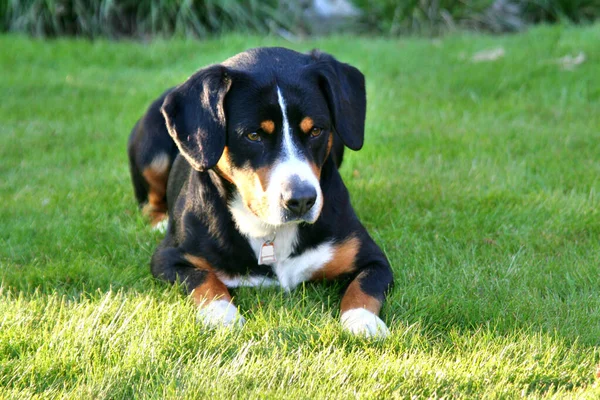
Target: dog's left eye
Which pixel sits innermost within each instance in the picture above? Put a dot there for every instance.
(253, 136)
(316, 132)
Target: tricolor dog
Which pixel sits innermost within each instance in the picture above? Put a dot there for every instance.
(243, 157)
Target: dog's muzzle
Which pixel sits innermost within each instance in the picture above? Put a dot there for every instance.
(297, 198)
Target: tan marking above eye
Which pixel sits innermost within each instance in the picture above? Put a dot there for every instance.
(307, 124)
(268, 126)
(223, 167)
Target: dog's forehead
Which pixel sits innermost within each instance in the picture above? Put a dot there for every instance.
(263, 78)
(268, 76)
(268, 61)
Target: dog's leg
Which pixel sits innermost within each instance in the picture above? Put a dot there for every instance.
(362, 302)
(140, 185)
(156, 174)
(207, 291)
(372, 277)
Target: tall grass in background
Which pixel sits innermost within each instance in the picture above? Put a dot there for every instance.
(118, 18)
(394, 17)
(202, 18)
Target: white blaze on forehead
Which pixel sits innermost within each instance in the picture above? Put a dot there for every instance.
(290, 150)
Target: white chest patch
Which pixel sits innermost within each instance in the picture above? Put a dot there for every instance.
(290, 271)
(295, 270)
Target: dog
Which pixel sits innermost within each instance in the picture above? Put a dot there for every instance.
(243, 157)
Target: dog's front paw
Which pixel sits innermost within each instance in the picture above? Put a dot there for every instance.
(161, 226)
(220, 313)
(362, 322)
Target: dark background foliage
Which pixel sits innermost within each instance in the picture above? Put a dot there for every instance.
(202, 18)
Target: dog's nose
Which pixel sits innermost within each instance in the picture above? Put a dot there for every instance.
(300, 199)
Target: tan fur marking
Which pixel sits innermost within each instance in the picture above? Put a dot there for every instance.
(307, 124)
(212, 288)
(315, 169)
(342, 262)
(356, 298)
(263, 177)
(268, 126)
(226, 170)
(250, 184)
(223, 166)
(156, 175)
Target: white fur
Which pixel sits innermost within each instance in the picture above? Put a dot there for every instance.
(160, 163)
(220, 313)
(283, 172)
(362, 322)
(161, 226)
(294, 270)
(288, 144)
(258, 232)
(249, 281)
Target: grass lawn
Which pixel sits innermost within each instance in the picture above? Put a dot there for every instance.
(481, 180)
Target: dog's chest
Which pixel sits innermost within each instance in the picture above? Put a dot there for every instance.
(289, 270)
(292, 270)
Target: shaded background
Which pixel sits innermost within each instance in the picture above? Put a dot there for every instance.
(287, 18)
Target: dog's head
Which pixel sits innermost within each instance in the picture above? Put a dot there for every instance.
(265, 120)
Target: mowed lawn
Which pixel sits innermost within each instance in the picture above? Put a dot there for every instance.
(480, 180)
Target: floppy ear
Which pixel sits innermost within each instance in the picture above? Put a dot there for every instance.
(344, 88)
(195, 116)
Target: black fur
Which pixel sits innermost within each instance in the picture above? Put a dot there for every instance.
(195, 117)
(344, 87)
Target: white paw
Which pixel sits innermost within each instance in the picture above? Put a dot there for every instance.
(362, 322)
(220, 313)
(161, 226)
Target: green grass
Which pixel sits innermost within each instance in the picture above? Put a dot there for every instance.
(480, 180)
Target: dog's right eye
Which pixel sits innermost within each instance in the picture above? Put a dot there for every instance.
(254, 137)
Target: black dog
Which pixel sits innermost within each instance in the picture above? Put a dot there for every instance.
(255, 198)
